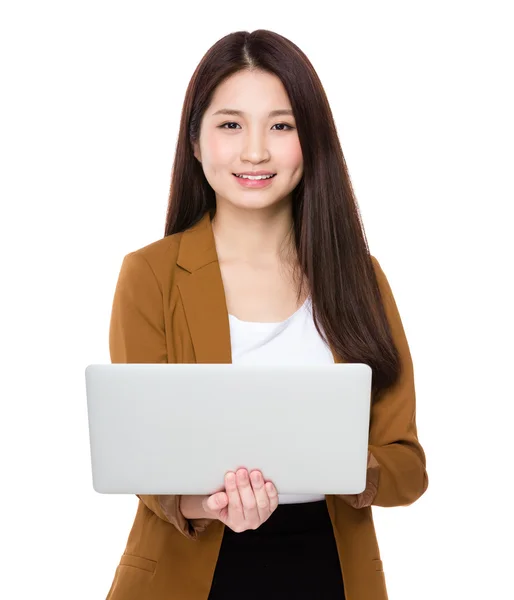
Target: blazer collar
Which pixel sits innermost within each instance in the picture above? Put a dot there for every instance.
(203, 295)
(197, 246)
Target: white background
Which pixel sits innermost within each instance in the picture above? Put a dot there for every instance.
(90, 107)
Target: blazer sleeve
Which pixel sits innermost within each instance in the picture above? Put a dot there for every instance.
(393, 439)
(137, 335)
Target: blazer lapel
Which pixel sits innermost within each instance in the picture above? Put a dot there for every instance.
(203, 295)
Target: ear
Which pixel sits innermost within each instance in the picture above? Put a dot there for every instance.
(196, 151)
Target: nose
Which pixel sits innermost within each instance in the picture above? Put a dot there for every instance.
(255, 147)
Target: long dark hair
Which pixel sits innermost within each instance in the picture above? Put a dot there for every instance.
(331, 244)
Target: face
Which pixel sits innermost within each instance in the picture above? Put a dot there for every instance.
(251, 141)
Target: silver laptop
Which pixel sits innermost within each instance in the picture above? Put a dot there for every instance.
(178, 428)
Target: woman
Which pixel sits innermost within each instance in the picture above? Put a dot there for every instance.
(261, 271)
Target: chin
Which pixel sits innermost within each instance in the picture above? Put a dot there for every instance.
(253, 204)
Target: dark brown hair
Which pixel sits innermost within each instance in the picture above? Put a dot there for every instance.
(331, 244)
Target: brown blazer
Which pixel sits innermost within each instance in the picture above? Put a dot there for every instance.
(169, 306)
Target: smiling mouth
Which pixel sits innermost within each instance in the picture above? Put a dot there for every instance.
(255, 178)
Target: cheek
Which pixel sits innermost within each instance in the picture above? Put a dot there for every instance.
(293, 155)
(219, 152)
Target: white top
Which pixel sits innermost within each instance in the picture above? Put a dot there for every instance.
(294, 341)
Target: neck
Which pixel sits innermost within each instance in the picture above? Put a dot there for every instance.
(262, 236)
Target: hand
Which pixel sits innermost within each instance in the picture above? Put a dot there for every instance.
(245, 504)
(366, 497)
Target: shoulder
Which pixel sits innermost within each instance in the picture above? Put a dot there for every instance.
(375, 262)
(159, 257)
(379, 273)
(159, 250)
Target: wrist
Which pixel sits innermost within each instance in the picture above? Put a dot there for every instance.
(193, 507)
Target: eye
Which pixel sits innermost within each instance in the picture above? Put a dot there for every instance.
(285, 125)
(234, 123)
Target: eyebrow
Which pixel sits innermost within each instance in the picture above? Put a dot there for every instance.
(240, 113)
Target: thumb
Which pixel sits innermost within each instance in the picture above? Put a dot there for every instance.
(217, 501)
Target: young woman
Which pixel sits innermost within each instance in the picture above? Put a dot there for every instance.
(265, 270)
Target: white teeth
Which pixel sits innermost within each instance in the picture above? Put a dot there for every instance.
(255, 177)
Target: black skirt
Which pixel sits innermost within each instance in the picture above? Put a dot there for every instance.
(291, 555)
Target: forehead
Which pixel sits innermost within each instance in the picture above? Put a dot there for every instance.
(255, 92)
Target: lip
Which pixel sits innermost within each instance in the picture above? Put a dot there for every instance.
(255, 173)
(255, 183)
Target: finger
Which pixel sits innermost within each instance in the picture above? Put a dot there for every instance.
(261, 495)
(217, 501)
(272, 494)
(247, 497)
(235, 506)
